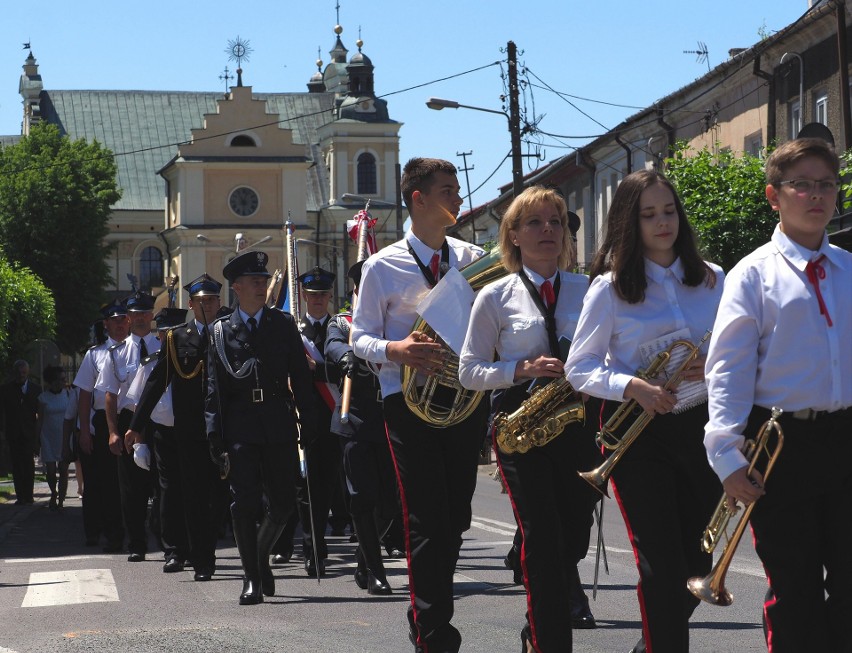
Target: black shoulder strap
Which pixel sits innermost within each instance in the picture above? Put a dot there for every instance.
(549, 312)
(427, 273)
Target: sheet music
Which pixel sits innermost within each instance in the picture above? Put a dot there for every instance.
(689, 393)
(447, 308)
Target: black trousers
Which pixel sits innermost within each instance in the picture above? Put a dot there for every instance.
(553, 507)
(802, 529)
(190, 491)
(135, 487)
(259, 469)
(323, 460)
(667, 492)
(101, 497)
(436, 471)
(370, 478)
(23, 467)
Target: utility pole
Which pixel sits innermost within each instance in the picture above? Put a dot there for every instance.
(515, 120)
(464, 156)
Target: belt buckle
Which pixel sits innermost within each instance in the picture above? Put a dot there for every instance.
(257, 395)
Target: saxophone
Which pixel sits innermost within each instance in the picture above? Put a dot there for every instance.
(540, 418)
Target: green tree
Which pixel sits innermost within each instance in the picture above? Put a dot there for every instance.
(26, 311)
(725, 198)
(55, 199)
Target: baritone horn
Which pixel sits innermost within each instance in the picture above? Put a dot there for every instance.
(599, 477)
(422, 400)
(711, 588)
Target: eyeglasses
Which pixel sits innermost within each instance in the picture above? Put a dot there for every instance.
(807, 186)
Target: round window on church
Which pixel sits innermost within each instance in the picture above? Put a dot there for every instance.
(243, 201)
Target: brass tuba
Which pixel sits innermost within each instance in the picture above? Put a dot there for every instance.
(599, 476)
(711, 588)
(540, 418)
(422, 401)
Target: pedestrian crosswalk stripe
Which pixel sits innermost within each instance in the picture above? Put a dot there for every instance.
(70, 587)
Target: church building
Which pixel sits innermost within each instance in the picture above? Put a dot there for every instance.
(204, 175)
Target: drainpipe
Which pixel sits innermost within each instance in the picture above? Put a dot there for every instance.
(771, 109)
(843, 67)
(670, 136)
(626, 149)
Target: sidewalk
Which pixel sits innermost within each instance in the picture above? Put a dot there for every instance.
(11, 515)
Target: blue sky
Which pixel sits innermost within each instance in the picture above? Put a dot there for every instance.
(618, 52)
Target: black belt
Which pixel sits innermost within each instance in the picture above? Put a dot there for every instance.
(811, 415)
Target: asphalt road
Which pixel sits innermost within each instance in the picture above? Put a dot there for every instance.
(57, 595)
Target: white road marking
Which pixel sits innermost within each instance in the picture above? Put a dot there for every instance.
(56, 559)
(491, 529)
(511, 526)
(70, 587)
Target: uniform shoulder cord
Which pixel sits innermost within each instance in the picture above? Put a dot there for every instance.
(172, 355)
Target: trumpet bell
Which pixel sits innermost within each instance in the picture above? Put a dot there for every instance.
(703, 588)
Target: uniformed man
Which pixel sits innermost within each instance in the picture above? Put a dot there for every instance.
(190, 485)
(101, 499)
(367, 462)
(257, 357)
(134, 483)
(324, 461)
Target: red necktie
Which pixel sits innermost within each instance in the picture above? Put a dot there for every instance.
(546, 292)
(815, 272)
(434, 265)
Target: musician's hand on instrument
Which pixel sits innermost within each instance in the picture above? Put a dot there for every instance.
(418, 351)
(312, 364)
(695, 371)
(654, 399)
(743, 488)
(533, 368)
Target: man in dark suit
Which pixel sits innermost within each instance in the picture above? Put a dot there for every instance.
(190, 486)
(324, 461)
(257, 358)
(20, 408)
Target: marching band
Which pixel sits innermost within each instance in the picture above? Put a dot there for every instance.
(558, 372)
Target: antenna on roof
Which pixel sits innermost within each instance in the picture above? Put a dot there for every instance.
(703, 54)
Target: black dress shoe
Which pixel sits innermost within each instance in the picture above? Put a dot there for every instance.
(376, 585)
(267, 581)
(394, 552)
(172, 565)
(281, 558)
(361, 578)
(584, 622)
(136, 557)
(311, 568)
(251, 594)
(203, 574)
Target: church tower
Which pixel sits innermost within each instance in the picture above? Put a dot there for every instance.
(30, 88)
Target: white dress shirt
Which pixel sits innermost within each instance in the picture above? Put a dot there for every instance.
(90, 368)
(505, 320)
(121, 366)
(392, 286)
(162, 413)
(605, 353)
(771, 347)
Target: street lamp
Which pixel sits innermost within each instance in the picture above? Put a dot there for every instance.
(437, 104)
(239, 242)
(801, 84)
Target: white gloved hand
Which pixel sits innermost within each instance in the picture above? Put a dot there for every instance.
(142, 456)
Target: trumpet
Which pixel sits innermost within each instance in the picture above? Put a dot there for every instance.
(711, 588)
(599, 476)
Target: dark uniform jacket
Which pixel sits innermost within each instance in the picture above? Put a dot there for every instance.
(323, 373)
(188, 395)
(366, 421)
(280, 360)
(20, 412)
